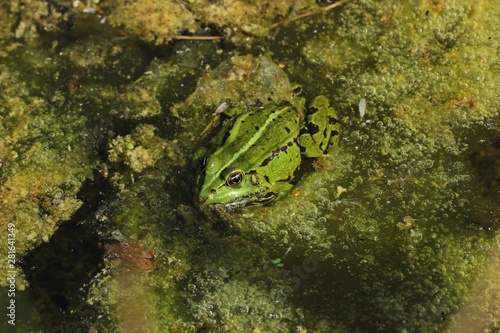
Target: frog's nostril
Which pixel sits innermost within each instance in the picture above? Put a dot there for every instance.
(213, 190)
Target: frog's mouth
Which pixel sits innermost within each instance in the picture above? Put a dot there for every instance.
(256, 198)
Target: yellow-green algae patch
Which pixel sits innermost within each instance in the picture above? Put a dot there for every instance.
(140, 149)
(429, 62)
(160, 21)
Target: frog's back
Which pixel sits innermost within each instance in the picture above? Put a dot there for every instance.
(255, 135)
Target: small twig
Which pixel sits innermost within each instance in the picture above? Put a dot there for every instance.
(196, 37)
(313, 12)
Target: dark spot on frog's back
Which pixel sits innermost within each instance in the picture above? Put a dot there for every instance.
(312, 110)
(257, 128)
(287, 130)
(275, 153)
(312, 128)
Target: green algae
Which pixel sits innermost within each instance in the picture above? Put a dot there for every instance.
(393, 230)
(35, 179)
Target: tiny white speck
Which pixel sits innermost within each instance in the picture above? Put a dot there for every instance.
(362, 107)
(90, 10)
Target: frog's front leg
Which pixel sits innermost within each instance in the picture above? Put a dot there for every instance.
(321, 122)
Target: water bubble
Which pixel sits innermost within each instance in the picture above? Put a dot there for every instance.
(458, 165)
(274, 315)
(240, 309)
(354, 134)
(326, 203)
(323, 192)
(311, 211)
(370, 90)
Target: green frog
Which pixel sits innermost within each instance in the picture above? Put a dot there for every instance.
(254, 156)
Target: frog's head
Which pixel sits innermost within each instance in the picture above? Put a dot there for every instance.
(229, 185)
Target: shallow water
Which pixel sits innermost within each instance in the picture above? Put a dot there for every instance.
(393, 230)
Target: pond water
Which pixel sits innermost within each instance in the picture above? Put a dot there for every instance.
(393, 229)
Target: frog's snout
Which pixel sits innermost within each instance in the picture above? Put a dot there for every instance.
(201, 200)
(203, 197)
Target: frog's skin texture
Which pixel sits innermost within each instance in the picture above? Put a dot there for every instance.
(254, 156)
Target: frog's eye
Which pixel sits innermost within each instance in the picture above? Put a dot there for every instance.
(235, 179)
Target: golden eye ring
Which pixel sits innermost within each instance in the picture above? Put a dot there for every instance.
(235, 179)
